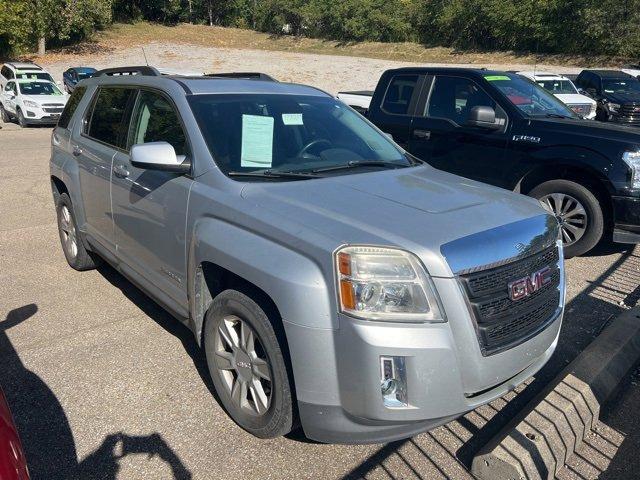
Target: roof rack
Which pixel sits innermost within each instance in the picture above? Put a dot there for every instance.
(143, 70)
(243, 75)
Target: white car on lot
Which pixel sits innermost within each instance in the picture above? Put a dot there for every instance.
(564, 89)
(22, 71)
(32, 102)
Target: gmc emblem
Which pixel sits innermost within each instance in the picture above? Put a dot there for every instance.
(523, 287)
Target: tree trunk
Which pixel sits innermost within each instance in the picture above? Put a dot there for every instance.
(210, 13)
(190, 11)
(42, 46)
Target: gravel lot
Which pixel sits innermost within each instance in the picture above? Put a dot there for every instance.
(106, 385)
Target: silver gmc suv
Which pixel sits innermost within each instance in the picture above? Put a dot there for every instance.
(333, 280)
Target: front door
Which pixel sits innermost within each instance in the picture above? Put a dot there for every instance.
(10, 96)
(150, 206)
(441, 136)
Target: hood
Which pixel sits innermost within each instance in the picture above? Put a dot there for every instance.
(419, 209)
(41, 99)
(575, 99)
(587, 128)
(622, 98)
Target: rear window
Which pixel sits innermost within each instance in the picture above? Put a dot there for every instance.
(71, 106)
(108, 121)
(33, 76)
(399, 94)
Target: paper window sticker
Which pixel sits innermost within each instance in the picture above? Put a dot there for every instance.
(257, 141)
(292, 119)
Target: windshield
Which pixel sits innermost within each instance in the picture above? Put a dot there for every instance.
(39, 88)
(621, 85)
(287, 133)
(530, 98)
(84, 74)
(557, 86)
(34, 76)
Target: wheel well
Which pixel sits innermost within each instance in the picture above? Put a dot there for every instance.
(58, 188)
(212, 279)
(577, 175)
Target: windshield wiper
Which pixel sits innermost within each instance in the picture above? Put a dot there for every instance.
(558, 115)
(273, 174)
(359, 163)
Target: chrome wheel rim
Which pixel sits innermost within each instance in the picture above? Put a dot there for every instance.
(570, 213)
(242, 366)
(68, 229)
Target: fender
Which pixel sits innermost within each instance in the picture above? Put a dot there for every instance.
(294, 282)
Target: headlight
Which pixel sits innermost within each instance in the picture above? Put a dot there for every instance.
(613, 107)
(377, 283)
(29, 103)
(594, 107)
(633, 160)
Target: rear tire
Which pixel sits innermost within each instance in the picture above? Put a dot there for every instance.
(72, 246)
(578, 211)
(247, 365)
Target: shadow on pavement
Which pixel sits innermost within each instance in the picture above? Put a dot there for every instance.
(45, 431)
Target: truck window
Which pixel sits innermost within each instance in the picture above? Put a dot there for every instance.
(108, 119)
(155, 120)
(399, 93)
(71, 106)
(454, 97)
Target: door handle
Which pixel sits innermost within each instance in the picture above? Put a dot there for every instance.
(77, 151)
(120, 171)
(425, 134)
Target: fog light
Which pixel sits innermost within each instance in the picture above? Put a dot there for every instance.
(30, 114)
(393, 382)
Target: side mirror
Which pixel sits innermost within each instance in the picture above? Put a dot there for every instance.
(158, 156)
(483, 117)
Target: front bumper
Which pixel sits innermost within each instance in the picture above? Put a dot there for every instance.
(626, 213)
(42, 119)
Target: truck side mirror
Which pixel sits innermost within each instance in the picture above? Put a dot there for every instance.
(483, 117)
(158, 156)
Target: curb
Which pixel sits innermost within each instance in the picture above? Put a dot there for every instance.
(537, 442)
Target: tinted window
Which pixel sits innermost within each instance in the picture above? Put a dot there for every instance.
(399, 94)
(155, 120)
(7, 73)
(621, 85)
(71, 106)
(557, 86)
(454, 97)
(109, 123)
(288, 133)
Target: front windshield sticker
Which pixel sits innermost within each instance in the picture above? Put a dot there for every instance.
(495, 78)
(257, 141)
(292, 119)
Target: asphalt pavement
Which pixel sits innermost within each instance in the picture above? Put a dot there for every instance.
(104, 384)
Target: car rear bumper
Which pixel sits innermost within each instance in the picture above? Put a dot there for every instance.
(626, 212)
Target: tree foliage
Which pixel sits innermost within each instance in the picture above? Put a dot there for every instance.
(609, 27)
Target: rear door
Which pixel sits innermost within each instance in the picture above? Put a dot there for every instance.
(394, 115)
(104, 135)
(150, 206)
(441, 136)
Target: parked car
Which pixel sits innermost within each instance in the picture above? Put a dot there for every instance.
(13, 464)
(31, 102)
(633, 70)
(73, 75)
(617, 94)
(565, 91)
(326, 273)
(502, 129)
(23, 71)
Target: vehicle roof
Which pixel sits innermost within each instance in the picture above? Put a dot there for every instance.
(451, 70)
(199, 85)
(24, 65)
(83, 69)
(609, 73)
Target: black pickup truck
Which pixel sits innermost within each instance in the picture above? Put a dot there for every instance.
(505, 130)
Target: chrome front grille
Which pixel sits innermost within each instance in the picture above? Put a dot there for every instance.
(503, 323)
(53, 109)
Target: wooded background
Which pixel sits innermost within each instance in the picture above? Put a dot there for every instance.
(598, 27)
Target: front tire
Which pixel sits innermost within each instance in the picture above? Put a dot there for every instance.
(247, 365)
(4, 115)
(21, 120)
(578, 211)
(77, 256)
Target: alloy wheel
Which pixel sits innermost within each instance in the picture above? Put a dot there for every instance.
(68, 228)
(242, 365)
(570, 213)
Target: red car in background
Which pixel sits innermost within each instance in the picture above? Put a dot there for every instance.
(13, 465)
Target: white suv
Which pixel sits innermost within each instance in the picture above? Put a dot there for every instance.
(564, 89)
(23, 71)
(32, 102)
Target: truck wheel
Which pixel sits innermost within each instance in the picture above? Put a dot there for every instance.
(247, 366)
(578, 212)
(75, 253)
(21, 121)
